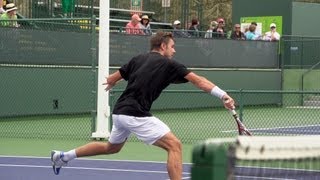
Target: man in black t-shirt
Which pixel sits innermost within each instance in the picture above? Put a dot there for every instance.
(147, 75)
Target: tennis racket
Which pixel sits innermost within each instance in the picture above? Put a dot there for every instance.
(241, 127)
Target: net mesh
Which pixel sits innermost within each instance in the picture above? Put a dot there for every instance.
(277, 158)
(269, 157)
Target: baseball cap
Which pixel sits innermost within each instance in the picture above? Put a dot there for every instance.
(145, 17)
(273, 25)
(176, 22)
(136, 17)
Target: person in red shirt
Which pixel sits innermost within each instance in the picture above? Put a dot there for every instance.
(134, 26)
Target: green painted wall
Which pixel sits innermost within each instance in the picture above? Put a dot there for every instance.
(226, 79)
(292, 80)
(305, 19)
(29, 91)
(32, 91)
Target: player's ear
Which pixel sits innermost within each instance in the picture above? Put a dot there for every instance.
(163, 46)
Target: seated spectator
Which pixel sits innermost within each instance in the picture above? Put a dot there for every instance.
(212, 25)
(237, 34)
(250, 35)
(10, 14)
(177, 31)
(193, 29)
(272, 35)
(219, 31)
(134, 26)
(145, 25)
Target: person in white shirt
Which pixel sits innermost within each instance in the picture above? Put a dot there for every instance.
(212, 25)
(272, 35)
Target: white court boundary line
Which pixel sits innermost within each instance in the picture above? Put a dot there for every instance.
(272, 168)
(89, 159)
(255, 177)
(274, 128)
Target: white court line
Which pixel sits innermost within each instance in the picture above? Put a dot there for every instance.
(183, 178)
(279, 168)
(89, 159)
(274, 128)
(255, 177)
(86, 168)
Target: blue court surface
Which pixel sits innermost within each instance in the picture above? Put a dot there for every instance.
(294, 130)
(34, 168)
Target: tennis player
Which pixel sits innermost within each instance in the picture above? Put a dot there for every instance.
(147, 75)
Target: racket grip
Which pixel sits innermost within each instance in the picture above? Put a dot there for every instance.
(233, 112)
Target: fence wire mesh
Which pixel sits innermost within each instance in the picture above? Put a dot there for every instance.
(194, 115)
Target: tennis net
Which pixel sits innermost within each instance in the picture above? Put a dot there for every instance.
(264, 157)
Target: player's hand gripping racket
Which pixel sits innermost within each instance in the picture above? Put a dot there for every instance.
(241, 127)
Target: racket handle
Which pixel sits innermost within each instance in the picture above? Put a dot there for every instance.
(233, 112)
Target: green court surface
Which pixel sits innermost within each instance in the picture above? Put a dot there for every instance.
(42, 148)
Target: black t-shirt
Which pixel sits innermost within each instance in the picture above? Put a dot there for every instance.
(147, 75)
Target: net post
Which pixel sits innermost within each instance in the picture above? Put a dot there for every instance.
(103, 108)
(209, 161)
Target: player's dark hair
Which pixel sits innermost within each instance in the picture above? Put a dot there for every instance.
(159, 38)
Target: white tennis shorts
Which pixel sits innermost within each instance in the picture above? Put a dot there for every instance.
(147, 129)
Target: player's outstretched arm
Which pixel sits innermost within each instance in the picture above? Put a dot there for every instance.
(112, 79)
(209, 87)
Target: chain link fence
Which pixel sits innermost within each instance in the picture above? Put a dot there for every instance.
(194, 115)
(48, 81)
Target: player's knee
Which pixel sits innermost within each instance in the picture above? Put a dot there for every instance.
(175, 145)
(113, 148)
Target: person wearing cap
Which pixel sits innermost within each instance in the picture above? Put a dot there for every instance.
(272, 35)
(237, 34)
(10, 14)
(219, 31)
(177, 31)
(145, 25)
(134, 26)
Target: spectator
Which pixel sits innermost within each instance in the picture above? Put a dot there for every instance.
(272, 35)
(10, 14)
(237, 34)
(219, 31)
(193, 29)
(134, 26)
(177, 31)
(258, 34)
(145, 25)
(212, 25)
(1, 7)
(250, 35)
(3, 4)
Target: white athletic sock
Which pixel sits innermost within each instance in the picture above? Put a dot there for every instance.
(69, 155)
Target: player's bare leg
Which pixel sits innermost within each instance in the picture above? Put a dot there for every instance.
(60, 158)
(97, 148)
(173, 146)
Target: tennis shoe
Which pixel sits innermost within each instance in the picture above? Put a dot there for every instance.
(57, 161)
